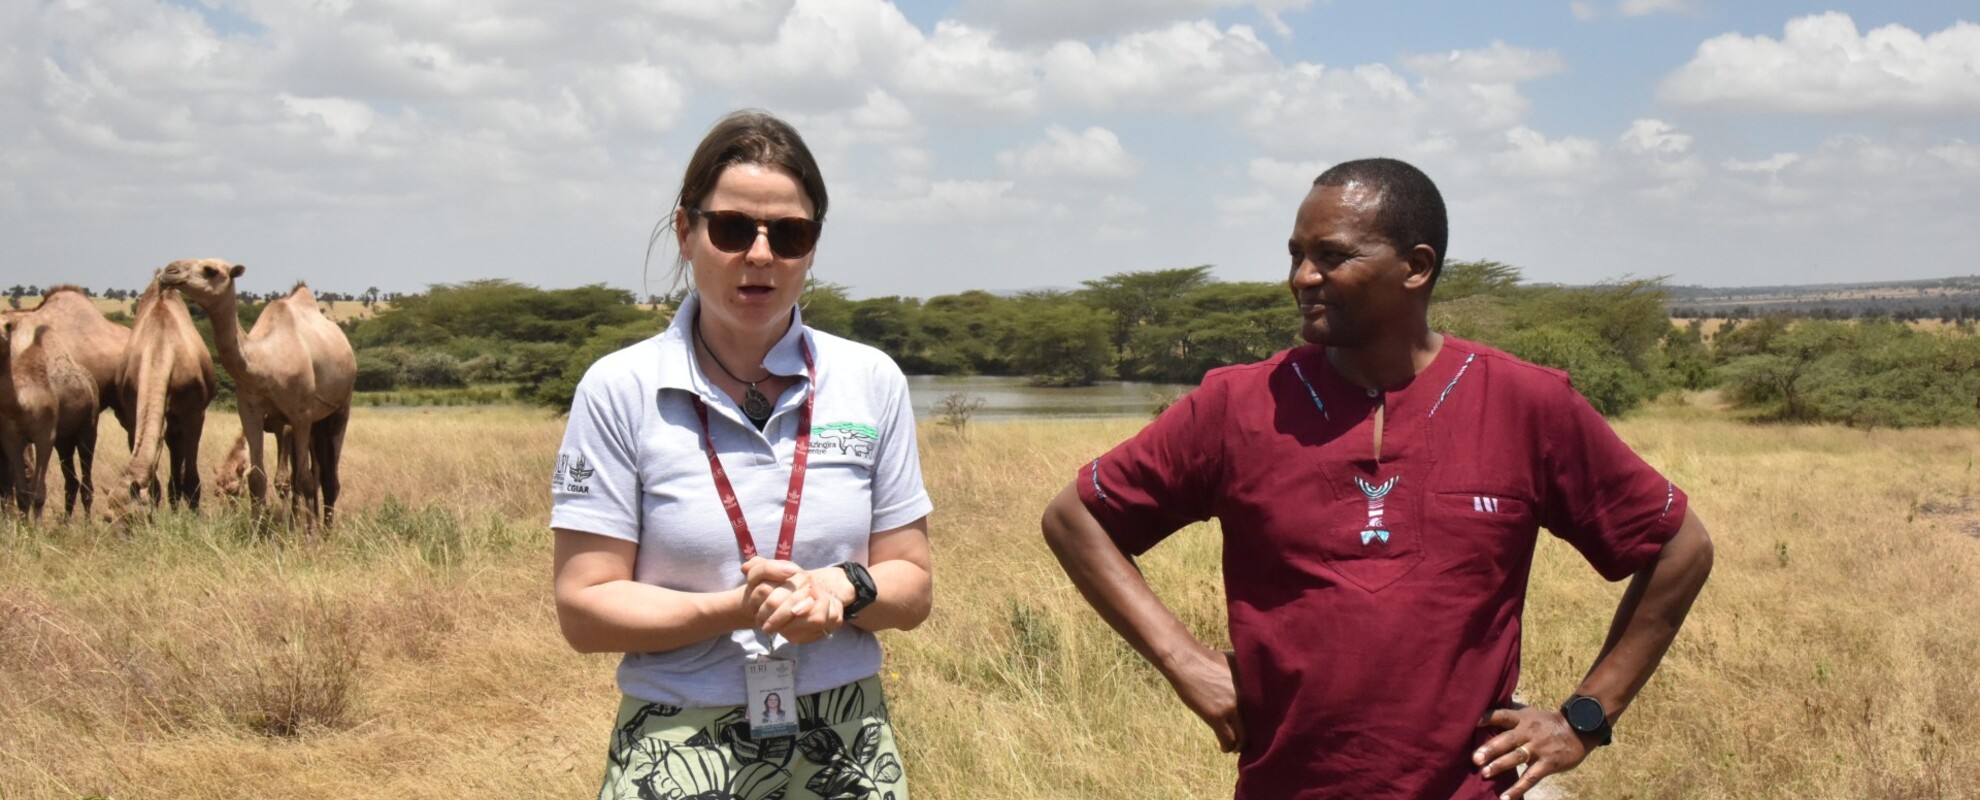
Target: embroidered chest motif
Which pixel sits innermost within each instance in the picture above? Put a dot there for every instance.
(1375, 494)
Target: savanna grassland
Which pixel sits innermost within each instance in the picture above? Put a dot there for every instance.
(414, 652)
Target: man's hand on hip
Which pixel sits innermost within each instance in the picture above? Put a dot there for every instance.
(1206, 683)
(1537, 738)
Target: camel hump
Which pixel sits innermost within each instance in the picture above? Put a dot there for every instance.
(61, 288)
(302, 292)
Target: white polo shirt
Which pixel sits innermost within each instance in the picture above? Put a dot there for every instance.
(633, 467)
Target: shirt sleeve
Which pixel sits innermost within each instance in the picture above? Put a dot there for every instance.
(1164, 478)
(898, 494)
(595, 488)
(1600, 495)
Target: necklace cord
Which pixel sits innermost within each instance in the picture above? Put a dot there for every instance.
(703, 341)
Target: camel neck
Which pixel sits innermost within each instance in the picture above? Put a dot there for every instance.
(224, 313)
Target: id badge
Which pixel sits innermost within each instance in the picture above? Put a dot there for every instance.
(771, 691)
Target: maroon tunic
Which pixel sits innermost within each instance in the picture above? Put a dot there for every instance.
(1375, 607)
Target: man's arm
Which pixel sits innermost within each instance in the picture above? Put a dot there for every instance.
(1114, 587)
(1646, 621)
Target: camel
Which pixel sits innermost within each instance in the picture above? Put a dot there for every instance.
(295, 369)
(86, 340)
(54, 403)
(94, 343)
(230, 478)
(167, 382)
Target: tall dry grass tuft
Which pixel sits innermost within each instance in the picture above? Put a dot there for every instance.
(414, 650)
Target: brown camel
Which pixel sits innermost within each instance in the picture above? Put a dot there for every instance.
(53, 402)
(94, 343)
(87, 341)
(167, 382)
(295, 369)
(12, 446)
(230, 478)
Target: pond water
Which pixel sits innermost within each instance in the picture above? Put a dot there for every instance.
(1015, 398)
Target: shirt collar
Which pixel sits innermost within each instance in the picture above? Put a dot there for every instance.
(680, 370)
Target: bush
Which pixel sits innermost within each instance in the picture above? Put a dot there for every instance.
(376, 373)
(432, 371)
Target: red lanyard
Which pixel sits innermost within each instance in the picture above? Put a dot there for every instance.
(792, 497)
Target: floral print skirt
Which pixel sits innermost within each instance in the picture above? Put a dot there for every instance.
(844, 750)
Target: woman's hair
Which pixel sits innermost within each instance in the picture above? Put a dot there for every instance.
(748, 136)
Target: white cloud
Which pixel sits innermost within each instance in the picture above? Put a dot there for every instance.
(1291, 178)
(1251, 211)
(1496, 63)
(1638, 8)
(347, 119)
(1092, 154)
(1823, 65)
(1479, 89)
(1654, 136)
(1311, 108)
(1532, 155)
(1770, 165)
(1184, 68)
(967, 66)
(1040, 21)
(1583, 10)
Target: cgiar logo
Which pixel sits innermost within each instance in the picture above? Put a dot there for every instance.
(571, 475)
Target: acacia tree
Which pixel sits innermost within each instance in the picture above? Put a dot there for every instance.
(1059, 342)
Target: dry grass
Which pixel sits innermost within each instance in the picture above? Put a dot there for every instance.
(1710, 327)
(415, 652)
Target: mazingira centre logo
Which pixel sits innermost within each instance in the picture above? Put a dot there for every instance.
(844, 438)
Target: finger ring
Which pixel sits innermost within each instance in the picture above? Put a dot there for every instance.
(1525, 755)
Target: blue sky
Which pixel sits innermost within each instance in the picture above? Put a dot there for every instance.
(997, 144)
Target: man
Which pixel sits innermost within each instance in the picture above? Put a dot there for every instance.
(1380, 492)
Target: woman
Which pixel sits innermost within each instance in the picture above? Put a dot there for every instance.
(739, 428)
(773, 709)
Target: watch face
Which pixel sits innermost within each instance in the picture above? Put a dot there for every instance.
(1585, 714)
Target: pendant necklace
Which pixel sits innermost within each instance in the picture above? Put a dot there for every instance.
(755, 405)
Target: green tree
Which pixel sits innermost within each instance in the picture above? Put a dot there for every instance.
(556, 391)
(1147, 309)
(1462, 279)
(1059, 342)
(967, 333)
(826, 308)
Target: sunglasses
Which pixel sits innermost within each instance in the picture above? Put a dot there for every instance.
(735, 232)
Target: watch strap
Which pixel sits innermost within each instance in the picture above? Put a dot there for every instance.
(864, 590)
(1578, 708)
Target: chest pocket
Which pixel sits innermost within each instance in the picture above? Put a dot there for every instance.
(1377, 532)
(1482, 534)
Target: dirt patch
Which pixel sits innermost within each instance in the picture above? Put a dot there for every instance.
(1964, 514)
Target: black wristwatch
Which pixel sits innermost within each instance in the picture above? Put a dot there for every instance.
(1587, 717)
(864, 592)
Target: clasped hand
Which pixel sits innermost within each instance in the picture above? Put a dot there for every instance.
(785, 598)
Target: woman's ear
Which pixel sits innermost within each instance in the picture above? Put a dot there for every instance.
(681, 224)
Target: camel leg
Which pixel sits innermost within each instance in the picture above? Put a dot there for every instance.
(329, 442)
(37, 480)
(65, 452)
(285, 485)
(184, 438)
(86, 453)
(13, 457)
(257, 479)
(302, 474)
